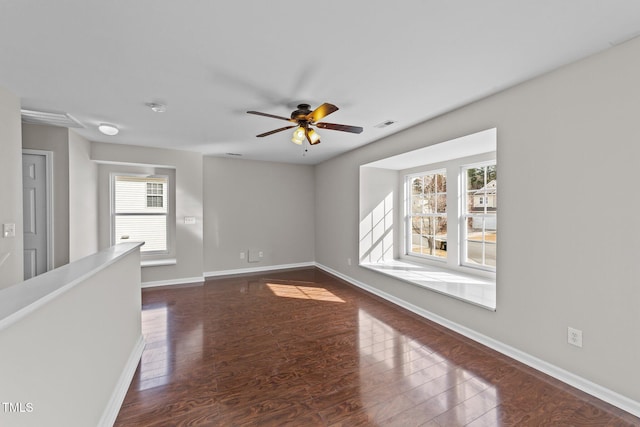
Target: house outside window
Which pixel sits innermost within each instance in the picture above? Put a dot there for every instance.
(427, 214)
(140, 211)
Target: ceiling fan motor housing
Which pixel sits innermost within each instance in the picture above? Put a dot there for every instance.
(302, 112)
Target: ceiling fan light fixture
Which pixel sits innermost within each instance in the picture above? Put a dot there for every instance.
(298, 135)
(108, 129)
(312, 136)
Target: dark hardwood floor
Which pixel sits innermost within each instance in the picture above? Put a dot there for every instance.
(302, 348)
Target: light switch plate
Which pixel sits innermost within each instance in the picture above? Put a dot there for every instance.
(8, 230)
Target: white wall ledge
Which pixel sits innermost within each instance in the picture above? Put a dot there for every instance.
(18, 300)
(477, 290)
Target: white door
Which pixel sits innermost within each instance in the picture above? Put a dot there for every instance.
(34, 201)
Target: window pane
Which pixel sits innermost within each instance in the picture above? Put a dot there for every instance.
(429, 183)
(441, 227)
(492, 173)
(427, 231)
(154, 201)
(490, 254)
(475, 227)
(150, 229)
(427, 226)
(133, 194)
(416, 196)
(417, 239)
(416, 225)
(474, 252)
(429, 203)
(475, 178)
(441, 203)
(441, 237)
(490, 228)
(416, 186)
(442, 183)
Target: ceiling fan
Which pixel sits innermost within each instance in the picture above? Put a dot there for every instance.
(304, 119)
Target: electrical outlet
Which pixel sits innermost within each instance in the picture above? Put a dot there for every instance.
(574, 336)
(241, 255)
(254, 255)
(348, 261)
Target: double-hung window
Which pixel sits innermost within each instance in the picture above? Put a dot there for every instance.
(479, 226)
(140, 211)
(427, 214)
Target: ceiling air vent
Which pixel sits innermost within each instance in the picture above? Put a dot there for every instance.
(385, 124)
(52, 119)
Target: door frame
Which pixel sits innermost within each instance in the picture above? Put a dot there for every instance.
(48, 155)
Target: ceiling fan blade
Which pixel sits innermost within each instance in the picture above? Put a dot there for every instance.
(320, 112)
(274, 131)
(258, 113)
(343, 128)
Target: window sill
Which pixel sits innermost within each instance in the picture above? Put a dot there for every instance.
(158, 262)
(473, 289)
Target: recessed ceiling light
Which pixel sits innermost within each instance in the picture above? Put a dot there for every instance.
(108, 129)
(156, 107)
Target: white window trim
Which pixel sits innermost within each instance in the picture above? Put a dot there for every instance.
(151, 255)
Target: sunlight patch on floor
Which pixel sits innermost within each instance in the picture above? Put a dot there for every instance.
(303, 292)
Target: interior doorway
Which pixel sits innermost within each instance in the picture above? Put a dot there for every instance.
(37, 213)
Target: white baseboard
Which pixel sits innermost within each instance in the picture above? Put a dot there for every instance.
(257, 269)
(117, 397)
(183, 281)
(576, 381)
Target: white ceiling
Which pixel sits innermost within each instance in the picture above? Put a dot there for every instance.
(211, 61)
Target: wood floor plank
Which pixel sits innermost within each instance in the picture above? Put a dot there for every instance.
(302, 348)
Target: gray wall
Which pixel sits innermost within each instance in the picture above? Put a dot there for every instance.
(83, 199)
(11, 188)
(569, 139)
(379, 214)
(55, 139)
(188, 173)
(257, 205)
